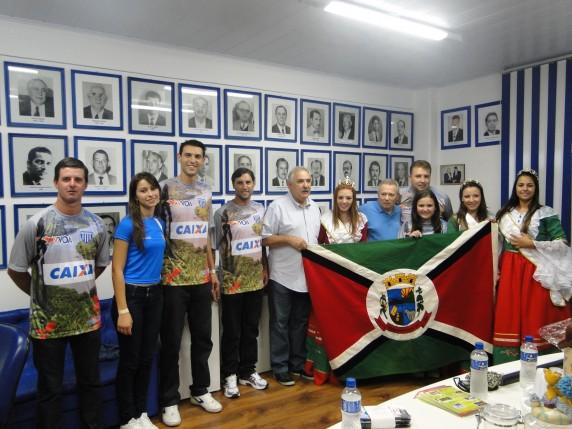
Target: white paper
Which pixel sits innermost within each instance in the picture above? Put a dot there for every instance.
(382, 416)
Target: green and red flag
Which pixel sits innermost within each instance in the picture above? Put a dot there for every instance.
(399, 306)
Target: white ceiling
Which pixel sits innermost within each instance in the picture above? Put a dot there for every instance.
(492, 34)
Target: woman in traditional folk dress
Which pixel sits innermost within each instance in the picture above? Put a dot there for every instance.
(344, 224)
(535, 270)
(472, 207)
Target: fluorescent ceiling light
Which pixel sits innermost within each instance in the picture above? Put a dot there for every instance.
(385, 20)
(393, 9)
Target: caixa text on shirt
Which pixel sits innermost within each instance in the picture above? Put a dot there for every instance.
(183, 230)
(68, 273)
(246, 246)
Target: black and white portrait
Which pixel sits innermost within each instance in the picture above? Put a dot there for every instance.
(242, 115)
(105, 160)
(151, 104)
(347, 166)
(23, 212)
(157, 158)
(281, 118)
(279, 162)
(400, 169)
(318, 163)
(346, 124)
(32, 162)
(452, 174)
(401, 131)
(36, 95)
(97, 100)
(315, 122)
(488, 123)
(110, 214)
(374, 171)
(374, 128)
(246, 157)
(456, 128)
(211, 172)
(199, 110)
(324, 204)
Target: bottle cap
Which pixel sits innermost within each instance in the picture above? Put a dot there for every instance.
(479, 345)
(351, 382)
(528, 339)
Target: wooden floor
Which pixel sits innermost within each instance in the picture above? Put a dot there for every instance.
(304, 405)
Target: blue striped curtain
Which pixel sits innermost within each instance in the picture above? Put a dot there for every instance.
(537, 132)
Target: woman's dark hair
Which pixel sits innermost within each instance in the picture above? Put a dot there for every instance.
(135, 209)
(513, 201)
(481, 210)
(417, 221)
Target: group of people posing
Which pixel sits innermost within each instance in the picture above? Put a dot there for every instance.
(164, 276)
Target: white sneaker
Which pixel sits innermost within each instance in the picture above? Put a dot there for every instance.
(207, 401)
(145, 422)
(131, 424)
(171, 416)
(230, 388)
(254, 380)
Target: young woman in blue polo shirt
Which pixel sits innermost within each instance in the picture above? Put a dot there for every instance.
(136, 271)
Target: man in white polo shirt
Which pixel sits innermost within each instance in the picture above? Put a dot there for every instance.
(291, 223)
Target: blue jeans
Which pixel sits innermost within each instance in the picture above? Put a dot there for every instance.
(136, 351)
(289, 312)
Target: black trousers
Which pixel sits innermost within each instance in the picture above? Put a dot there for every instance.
(194, 302)
(136, 350)
(49, 358)
(239, 345)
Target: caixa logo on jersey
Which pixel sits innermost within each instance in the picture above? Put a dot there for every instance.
(68, 273)
(186, 230)
(246, 246)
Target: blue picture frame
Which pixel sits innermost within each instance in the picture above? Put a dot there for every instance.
(270, 132)
(340, 110)
(323, 133)
(208, 93)
(394, 141)
(272, 156)
(19, 147)
(233, 155)
(383, 174)
(157, 86)
(33, 208)
(239, 96)
(14, 73)
(217, 173)
(482, 111)
(137, 146)
(3, 256)
(1, 166)
(308, 157)
(119, 170)
(338, 167)
(448, 140)
(105, 79)
(402, 181)
(369, 114)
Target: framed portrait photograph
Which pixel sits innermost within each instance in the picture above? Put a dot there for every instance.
(105, 160)
(35, 95)
(212, 171)
(151, 106)
(3, 238)
(247, 157)
(325, 204)
(314, 122)
(242, 115)
(346, 129)
(401, 131)
(155, 157)
(488, 122)
(400, 169)
(23, 212)
(199, 111)
(456, 128)
(97, 100)
(347, 164)
(32, 159)
(319, 164)
(452, 174)
(374, 171)
(374, 132)
(279, 162)
(281, 118)
(110, 214)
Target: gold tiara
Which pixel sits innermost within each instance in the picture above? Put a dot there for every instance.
(529, 171)
(347, 181)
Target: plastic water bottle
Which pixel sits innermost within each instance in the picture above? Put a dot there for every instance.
(528, 360)
(351, 405)
(479, 369)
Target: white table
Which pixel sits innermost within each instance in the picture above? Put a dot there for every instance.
(426, 416)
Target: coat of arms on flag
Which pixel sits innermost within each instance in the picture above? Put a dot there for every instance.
(406, 305)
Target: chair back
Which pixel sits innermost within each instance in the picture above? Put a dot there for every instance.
(13, 354)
